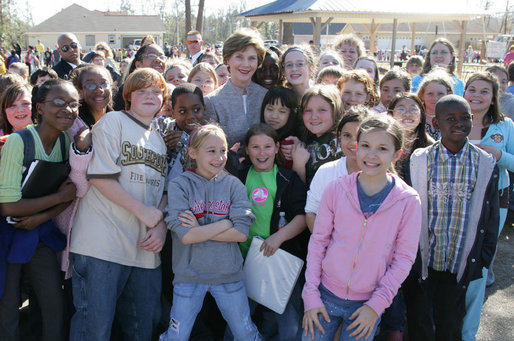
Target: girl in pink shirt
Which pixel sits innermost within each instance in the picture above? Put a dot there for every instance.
(364, 241)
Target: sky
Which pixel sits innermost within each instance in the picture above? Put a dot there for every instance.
(42, 10)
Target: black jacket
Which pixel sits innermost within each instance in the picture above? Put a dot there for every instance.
(290, 198)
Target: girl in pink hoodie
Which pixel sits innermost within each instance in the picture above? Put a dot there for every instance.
(364, 241)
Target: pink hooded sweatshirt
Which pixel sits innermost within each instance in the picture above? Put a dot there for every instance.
(358, 258)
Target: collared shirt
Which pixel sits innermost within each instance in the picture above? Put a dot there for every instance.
(452, 179)
(196, 56)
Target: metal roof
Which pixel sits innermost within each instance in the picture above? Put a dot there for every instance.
(78, 19)
(355, 11)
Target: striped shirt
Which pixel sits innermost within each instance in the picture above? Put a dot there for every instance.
(452, 179)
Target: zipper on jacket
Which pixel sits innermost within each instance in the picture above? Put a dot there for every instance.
(356, 257)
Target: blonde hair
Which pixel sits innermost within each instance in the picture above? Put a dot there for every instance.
(141, 79)
(351, 39)
(106, 47)
(240, 40)
(206, 68)
(438, 75)
(198, 137)
(360, 76)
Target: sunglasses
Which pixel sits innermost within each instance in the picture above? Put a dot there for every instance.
(62, 103)
(93, 87)
(66, 48)
(153, 57)
(189, 42)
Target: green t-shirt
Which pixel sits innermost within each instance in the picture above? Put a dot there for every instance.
(11, 166)
(261, 188)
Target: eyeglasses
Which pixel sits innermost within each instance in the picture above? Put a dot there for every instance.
(442, 53)
(62, 103)
(93, 86)
(189, 42)
(66, 48)
(153, 57)
(404, 111)
(298, 65)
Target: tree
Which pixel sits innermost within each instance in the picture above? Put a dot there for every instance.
(188, 15)
(199, 17)
(12, 25)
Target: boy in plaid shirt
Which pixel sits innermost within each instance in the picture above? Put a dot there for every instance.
(460, 215)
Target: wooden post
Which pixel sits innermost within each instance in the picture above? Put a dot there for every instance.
(372, 30)
(280, 32)
(462, 28)
(393, 44)
(317, 37)
(413, 39)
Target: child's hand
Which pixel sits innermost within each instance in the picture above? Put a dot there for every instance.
(83, 139)
(67, 191)
(29, 222)
(188, 219)
(287, 149)
(364, 321)
(311, 318)
(154, 238)
(491, 150)
(271, 244)
(300, 154)
(235, 147)
(150, 216)
(171, 138)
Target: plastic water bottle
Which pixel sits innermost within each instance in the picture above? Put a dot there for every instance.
(282, 220)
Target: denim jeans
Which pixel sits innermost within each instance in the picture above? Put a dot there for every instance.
(231, 300)
(339, 310)
(282, 327)
(102, 289)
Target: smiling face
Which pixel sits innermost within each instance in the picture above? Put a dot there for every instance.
(242, 65)
(153, 58)
(146, 103)
(204, 81)
(19, 112)
(177, 75)
(188, 112)
(376, 152)
(408, 114)
(210, 157)
(56, 111)
(267, 75)
(440, 55)
(261, 150)
(433, 92)
(479, 95)
(454, 122)
(348, 139)
(350, 55)
(318, 116)
(389, 90)
(296, 69)
(354, 93)
(276, 114)
(99, 98)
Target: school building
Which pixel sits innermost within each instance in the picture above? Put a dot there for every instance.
(118, 29)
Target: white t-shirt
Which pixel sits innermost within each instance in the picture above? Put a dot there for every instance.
(327, 173)
(127, 150)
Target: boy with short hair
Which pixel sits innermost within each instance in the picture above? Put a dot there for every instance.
(457, 183)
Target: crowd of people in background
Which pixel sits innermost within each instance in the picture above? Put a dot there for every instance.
(392, 185)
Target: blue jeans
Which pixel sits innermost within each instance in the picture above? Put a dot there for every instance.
(102, 289)
(231, 300)
(287, 325)
(339, 310)
(475, 297)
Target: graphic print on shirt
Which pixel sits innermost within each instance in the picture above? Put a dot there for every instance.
(135, 154)
(498, 138)
(219, 208)
(259, 196)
